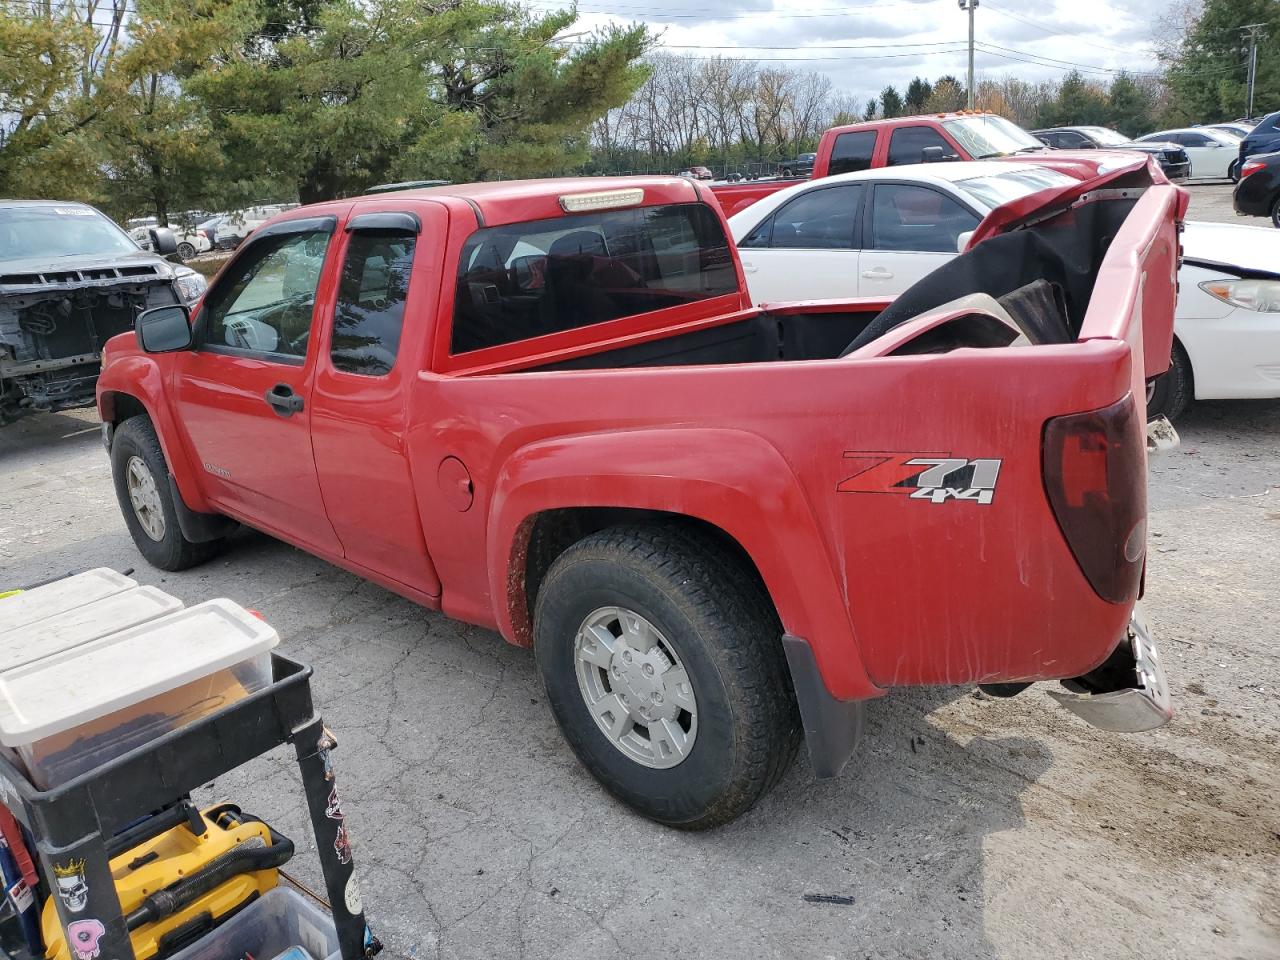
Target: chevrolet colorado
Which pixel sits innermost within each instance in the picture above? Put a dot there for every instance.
(550, 408)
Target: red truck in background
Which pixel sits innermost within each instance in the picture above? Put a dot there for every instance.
(889, 143)
(550, 408)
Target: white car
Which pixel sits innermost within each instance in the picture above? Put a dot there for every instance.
(876, 232)
(1213, 152)
(190, 241)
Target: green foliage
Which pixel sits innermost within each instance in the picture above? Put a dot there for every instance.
(918, 92)
(1130, 107)
(890, 103)
(948, 94)
(1207, 81)
(1079, 102)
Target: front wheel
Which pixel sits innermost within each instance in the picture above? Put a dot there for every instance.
(663, 664)
(141, 479)
(1169, 393)
(186, 251)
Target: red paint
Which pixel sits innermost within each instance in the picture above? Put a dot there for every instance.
(889, 590)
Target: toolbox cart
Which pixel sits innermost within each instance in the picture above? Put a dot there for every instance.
(80, 824)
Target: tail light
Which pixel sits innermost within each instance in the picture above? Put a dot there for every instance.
(1251, 166)
(1095, 475)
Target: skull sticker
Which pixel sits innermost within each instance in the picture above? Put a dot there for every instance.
(73, 890)
(84, 936)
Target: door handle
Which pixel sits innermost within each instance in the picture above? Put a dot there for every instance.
(878, 273)
(283, 400)
(749, 267)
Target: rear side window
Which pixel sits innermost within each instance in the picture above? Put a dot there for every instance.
(369, 314)
(852, 152)
(907, 144)
(526, 280)
(816, 220)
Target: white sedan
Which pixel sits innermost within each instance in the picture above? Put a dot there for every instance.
(876, 232)
(1212, 152)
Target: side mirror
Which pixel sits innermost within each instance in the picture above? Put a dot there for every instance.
(163, 329)
(932, 155)
(962, 241)
(162, 241)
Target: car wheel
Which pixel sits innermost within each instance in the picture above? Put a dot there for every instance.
(1275, 211)
(1170, 392)
(663, 664)
(1233, 171)
(186, 251)
(141, 479)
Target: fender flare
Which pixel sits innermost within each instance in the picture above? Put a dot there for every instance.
(727, 478)
(139, 377)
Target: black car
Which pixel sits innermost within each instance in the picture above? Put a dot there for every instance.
(1172, 158)
(1258, 192)
(801, 166)
(70, 279)
(1263, 138)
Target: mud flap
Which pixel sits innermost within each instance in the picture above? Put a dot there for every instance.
(832, 728)
(198, 527)
(1143, 706)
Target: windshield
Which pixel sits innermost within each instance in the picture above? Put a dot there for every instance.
(990, 136)
(994, 190)
(51, 231)
(1105, 137)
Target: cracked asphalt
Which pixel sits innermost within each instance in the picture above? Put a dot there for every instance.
(965, 827)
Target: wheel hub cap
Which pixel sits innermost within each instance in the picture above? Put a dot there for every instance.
(636, 688)
(145, 498)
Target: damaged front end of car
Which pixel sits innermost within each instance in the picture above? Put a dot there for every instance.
(53, 325)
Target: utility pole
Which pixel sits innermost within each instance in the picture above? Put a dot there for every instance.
(1254, 34)
(972, 5)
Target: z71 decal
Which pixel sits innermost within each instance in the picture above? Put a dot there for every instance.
(933, 477)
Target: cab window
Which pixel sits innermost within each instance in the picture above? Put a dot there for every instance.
(369, 314)
(852, 152)
(530, 279)
(263, 304)
(907, 144)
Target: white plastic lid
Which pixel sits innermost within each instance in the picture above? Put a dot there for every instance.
(60, 596)
(80, 684)
(79, 625)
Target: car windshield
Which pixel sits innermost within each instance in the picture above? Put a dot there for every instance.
(990, 136)
(999, 188)
(1106, 137)
(52, 231)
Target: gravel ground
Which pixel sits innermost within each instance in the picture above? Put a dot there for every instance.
(966, 827)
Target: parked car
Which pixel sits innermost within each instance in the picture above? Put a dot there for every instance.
(226, 231)
(896, 141)
(1171, 156)
(801, 166)
(1213, 153)
(588, 439)
(1258, 192)
(70, 279)
(875, 233)
(1238, 129)
(190, 241)
(1263, 138)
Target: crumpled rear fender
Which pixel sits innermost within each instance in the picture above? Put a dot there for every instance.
(732, 479)
(139, 376)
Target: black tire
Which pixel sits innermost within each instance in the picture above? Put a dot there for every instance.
(186, 251)
(1172, 391)
(1275, 211)
(716, 618)
(136, 437)
(1233, 171)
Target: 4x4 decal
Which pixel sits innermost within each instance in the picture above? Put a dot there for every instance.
(936, 477)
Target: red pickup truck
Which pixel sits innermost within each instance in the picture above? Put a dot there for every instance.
(551, 409)
(888, 143)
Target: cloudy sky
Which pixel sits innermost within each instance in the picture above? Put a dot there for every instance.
(865, 44)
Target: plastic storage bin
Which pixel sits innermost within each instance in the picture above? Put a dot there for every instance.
(79, 707)
(66, 594)
(280, 920)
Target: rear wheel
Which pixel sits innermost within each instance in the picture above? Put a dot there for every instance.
(1275, 211)
(1170, 392)
(186, 251)
(664, 668)
(142, 487)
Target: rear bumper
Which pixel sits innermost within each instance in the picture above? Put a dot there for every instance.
(1176, 172)
(1254, 195)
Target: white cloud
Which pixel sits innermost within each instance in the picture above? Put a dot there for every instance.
(895, 40)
